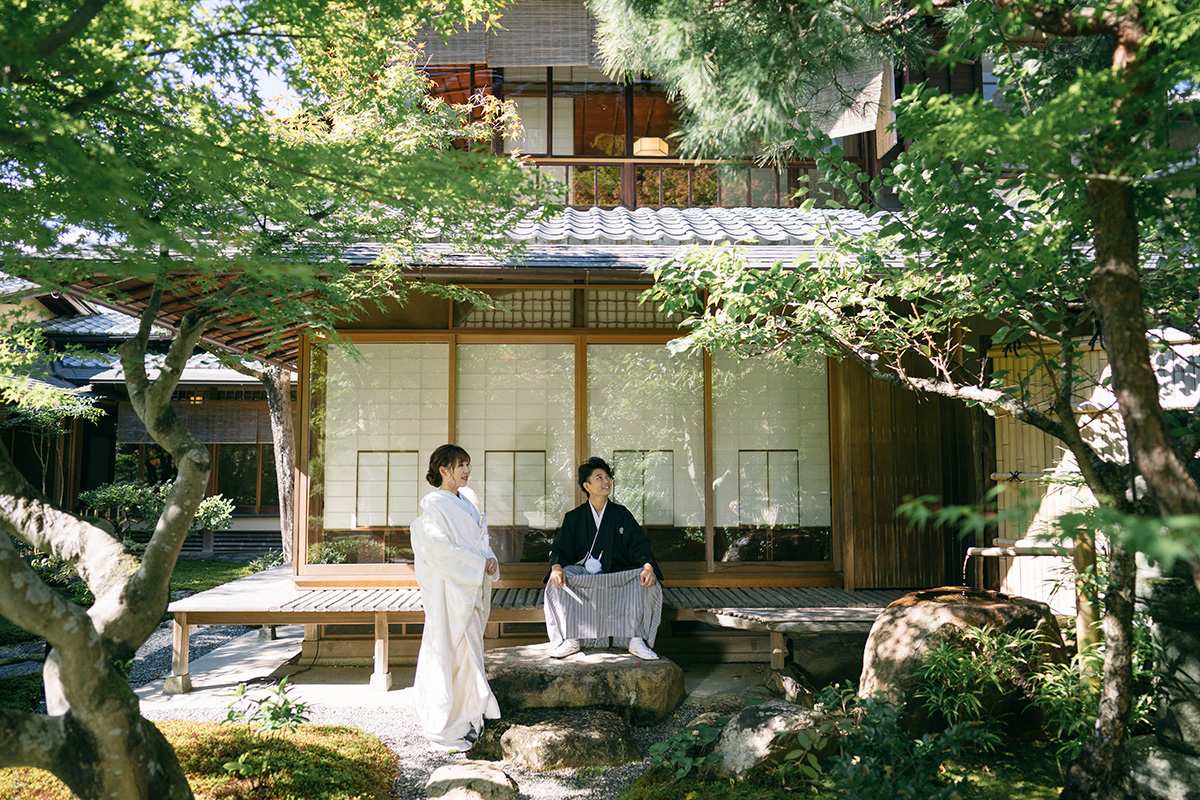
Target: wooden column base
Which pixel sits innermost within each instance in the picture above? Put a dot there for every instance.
(178, 684)
(382, 677)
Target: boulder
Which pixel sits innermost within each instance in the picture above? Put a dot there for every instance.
(1160, 773)
(544, 739)
(918, 622)
(471, 780)
(1174, 606)
(729, 703)
(789, 684)
(641, 692)
(757, 735)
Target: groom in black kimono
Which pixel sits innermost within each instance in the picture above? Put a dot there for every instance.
(603, 579)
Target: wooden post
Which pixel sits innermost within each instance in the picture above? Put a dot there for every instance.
(179, 681)
(1087, 633)
(778, 650)
(381, 678)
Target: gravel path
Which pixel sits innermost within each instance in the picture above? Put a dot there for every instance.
(153, 659)
(399, 729)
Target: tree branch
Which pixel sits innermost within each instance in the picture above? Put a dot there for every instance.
(30, 740)
(74, 26)
(100, 560)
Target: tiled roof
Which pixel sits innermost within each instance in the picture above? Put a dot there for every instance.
(564, 257)
(200, 368)
(676, 226)
(105, 324)
(11, 285)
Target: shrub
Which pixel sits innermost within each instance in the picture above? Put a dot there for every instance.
(879, 761)
(974, 676)
(688, 749)
(961, 678)
(268, 560)
(862, 752)
(132, 504)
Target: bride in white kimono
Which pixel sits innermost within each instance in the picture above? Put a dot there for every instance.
(455, 568)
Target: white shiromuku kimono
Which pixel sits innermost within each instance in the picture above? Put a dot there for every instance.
(450, 543)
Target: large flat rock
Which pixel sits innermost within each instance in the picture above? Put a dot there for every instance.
(545, 739)
(641, 692)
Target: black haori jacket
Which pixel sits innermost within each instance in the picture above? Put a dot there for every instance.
(621, 540)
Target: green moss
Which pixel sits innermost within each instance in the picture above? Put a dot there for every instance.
(316, 762)
(22, 692)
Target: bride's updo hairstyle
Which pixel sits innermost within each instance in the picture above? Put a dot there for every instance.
(448, 456)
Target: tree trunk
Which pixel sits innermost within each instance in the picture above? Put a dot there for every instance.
(93, 736)
(1098, 773)
(278, 382)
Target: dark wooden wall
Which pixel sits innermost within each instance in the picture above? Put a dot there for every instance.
(890, 443)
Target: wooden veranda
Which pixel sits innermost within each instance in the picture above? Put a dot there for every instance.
(271, 598)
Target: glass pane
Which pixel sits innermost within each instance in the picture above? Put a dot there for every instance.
(764, 191)
(600, 186)
(269, 496)
(645, 417)
(599, 123)
(649, 180)
(516, 417)
(771, 484)
(518, 308)
(704, 186)
(385, 410)
(237, 474)
(127, 463)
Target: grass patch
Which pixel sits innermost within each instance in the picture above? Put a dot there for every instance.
(1031, 773)
(11, 633)
(198, 575)
(316, 762)
(22, 692)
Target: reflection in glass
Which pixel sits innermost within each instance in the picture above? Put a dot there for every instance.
(237, 474)
(385, 410)
(771, 484)
(645, 417)
(516, 417)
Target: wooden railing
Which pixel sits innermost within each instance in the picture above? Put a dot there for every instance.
(672, 183)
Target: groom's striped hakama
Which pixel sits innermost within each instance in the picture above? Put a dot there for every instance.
(614, 604)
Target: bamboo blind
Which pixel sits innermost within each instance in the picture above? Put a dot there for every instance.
(533, 33)
(212, 422)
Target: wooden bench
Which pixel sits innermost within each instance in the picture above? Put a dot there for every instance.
(270, 598)
(780, 622)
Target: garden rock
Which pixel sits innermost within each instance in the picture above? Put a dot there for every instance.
(641, 692)
(725, 703)
(1160, 773)
(908, 629)
(1174, 606)
(789, 684)
(757, 735)
(544, 739)
(471, 780)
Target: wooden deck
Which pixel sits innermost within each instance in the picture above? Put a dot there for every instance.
(271, 598)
